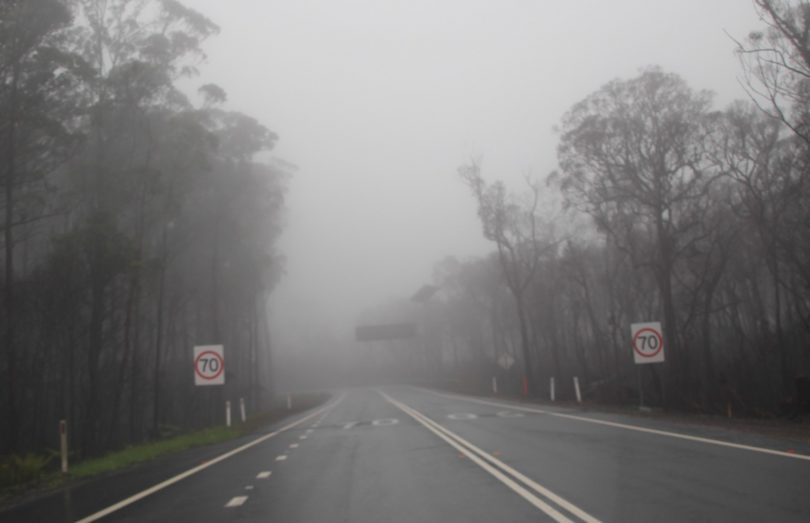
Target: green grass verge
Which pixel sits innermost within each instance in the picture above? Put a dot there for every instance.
(135, 454)
(147, 451)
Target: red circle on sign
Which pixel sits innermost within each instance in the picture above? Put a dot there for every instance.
(217, 356)
(657, 335)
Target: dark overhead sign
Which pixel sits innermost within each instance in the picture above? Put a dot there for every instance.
(392, 331)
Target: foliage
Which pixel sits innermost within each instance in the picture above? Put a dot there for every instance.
(135, 225)
(22, 469)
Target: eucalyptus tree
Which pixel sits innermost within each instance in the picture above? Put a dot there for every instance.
(776, 63)
(38, 81)
(633, 155)
(514, 227)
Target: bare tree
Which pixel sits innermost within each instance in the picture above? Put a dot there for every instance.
(514, 230)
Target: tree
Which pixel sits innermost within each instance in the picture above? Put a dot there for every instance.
(633, 156)
(36, 90)
(514, 230)
(776, 63)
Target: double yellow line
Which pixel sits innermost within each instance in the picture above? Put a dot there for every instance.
(550, 503)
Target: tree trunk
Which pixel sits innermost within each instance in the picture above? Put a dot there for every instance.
(12, 424)
(525, 345)
(159, 333)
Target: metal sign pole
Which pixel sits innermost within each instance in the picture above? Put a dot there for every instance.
(640, 388)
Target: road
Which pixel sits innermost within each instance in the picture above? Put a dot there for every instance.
(408, 454)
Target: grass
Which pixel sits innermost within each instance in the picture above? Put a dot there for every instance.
(147, 451)
(135, 454)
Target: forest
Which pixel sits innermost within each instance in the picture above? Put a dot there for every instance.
(138, 222)
(663, 208)
(140, 218)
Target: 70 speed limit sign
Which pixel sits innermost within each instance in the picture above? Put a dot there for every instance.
(209, 365)
(648, 342)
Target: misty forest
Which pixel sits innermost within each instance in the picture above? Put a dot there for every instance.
(140, 217)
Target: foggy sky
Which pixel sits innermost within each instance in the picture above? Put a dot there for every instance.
(378, 102)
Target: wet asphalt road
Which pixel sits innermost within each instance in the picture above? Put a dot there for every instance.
(408, 454)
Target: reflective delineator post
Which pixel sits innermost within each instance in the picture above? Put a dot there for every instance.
(551, 391)
(576, 389)
(228, 413)
(63, 445)
(494, 385)
(242, 409)
(289, 401)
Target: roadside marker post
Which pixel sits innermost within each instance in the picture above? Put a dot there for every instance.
(552, 392)
(494, 385)
(228, 413)
(289, 401)
(63, 445)
(242, 409)
(576, 389)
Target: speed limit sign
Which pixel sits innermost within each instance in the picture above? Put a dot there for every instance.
(648, 342)
(209, 365)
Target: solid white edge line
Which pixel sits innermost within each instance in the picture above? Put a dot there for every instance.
(236, 501)
(637, 428)
(163, 484)
(509, 482)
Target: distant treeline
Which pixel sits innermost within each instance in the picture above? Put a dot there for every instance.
(672, 211)
(135, 225)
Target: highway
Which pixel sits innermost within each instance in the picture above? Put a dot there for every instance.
(407, 454)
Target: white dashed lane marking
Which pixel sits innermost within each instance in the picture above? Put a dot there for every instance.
(263, 475)
(248, 487)
(293, 445)
(302, 436)
(236, 501)
(281, 458)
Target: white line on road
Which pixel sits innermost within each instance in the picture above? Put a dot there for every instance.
(264, 475)
(293, 445)
(636, 428)
(163, 484)
(480, 458)
(236, 501)
(302, 436)
(281, 458)
(248, 487)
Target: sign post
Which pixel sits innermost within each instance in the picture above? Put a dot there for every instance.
(648, 347)
(209, 365)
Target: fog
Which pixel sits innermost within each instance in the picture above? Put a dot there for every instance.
(378, 103)
(467, 195)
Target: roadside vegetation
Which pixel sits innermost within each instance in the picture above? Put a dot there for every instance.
(664, 207)
(137, 221)
(32, 472)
